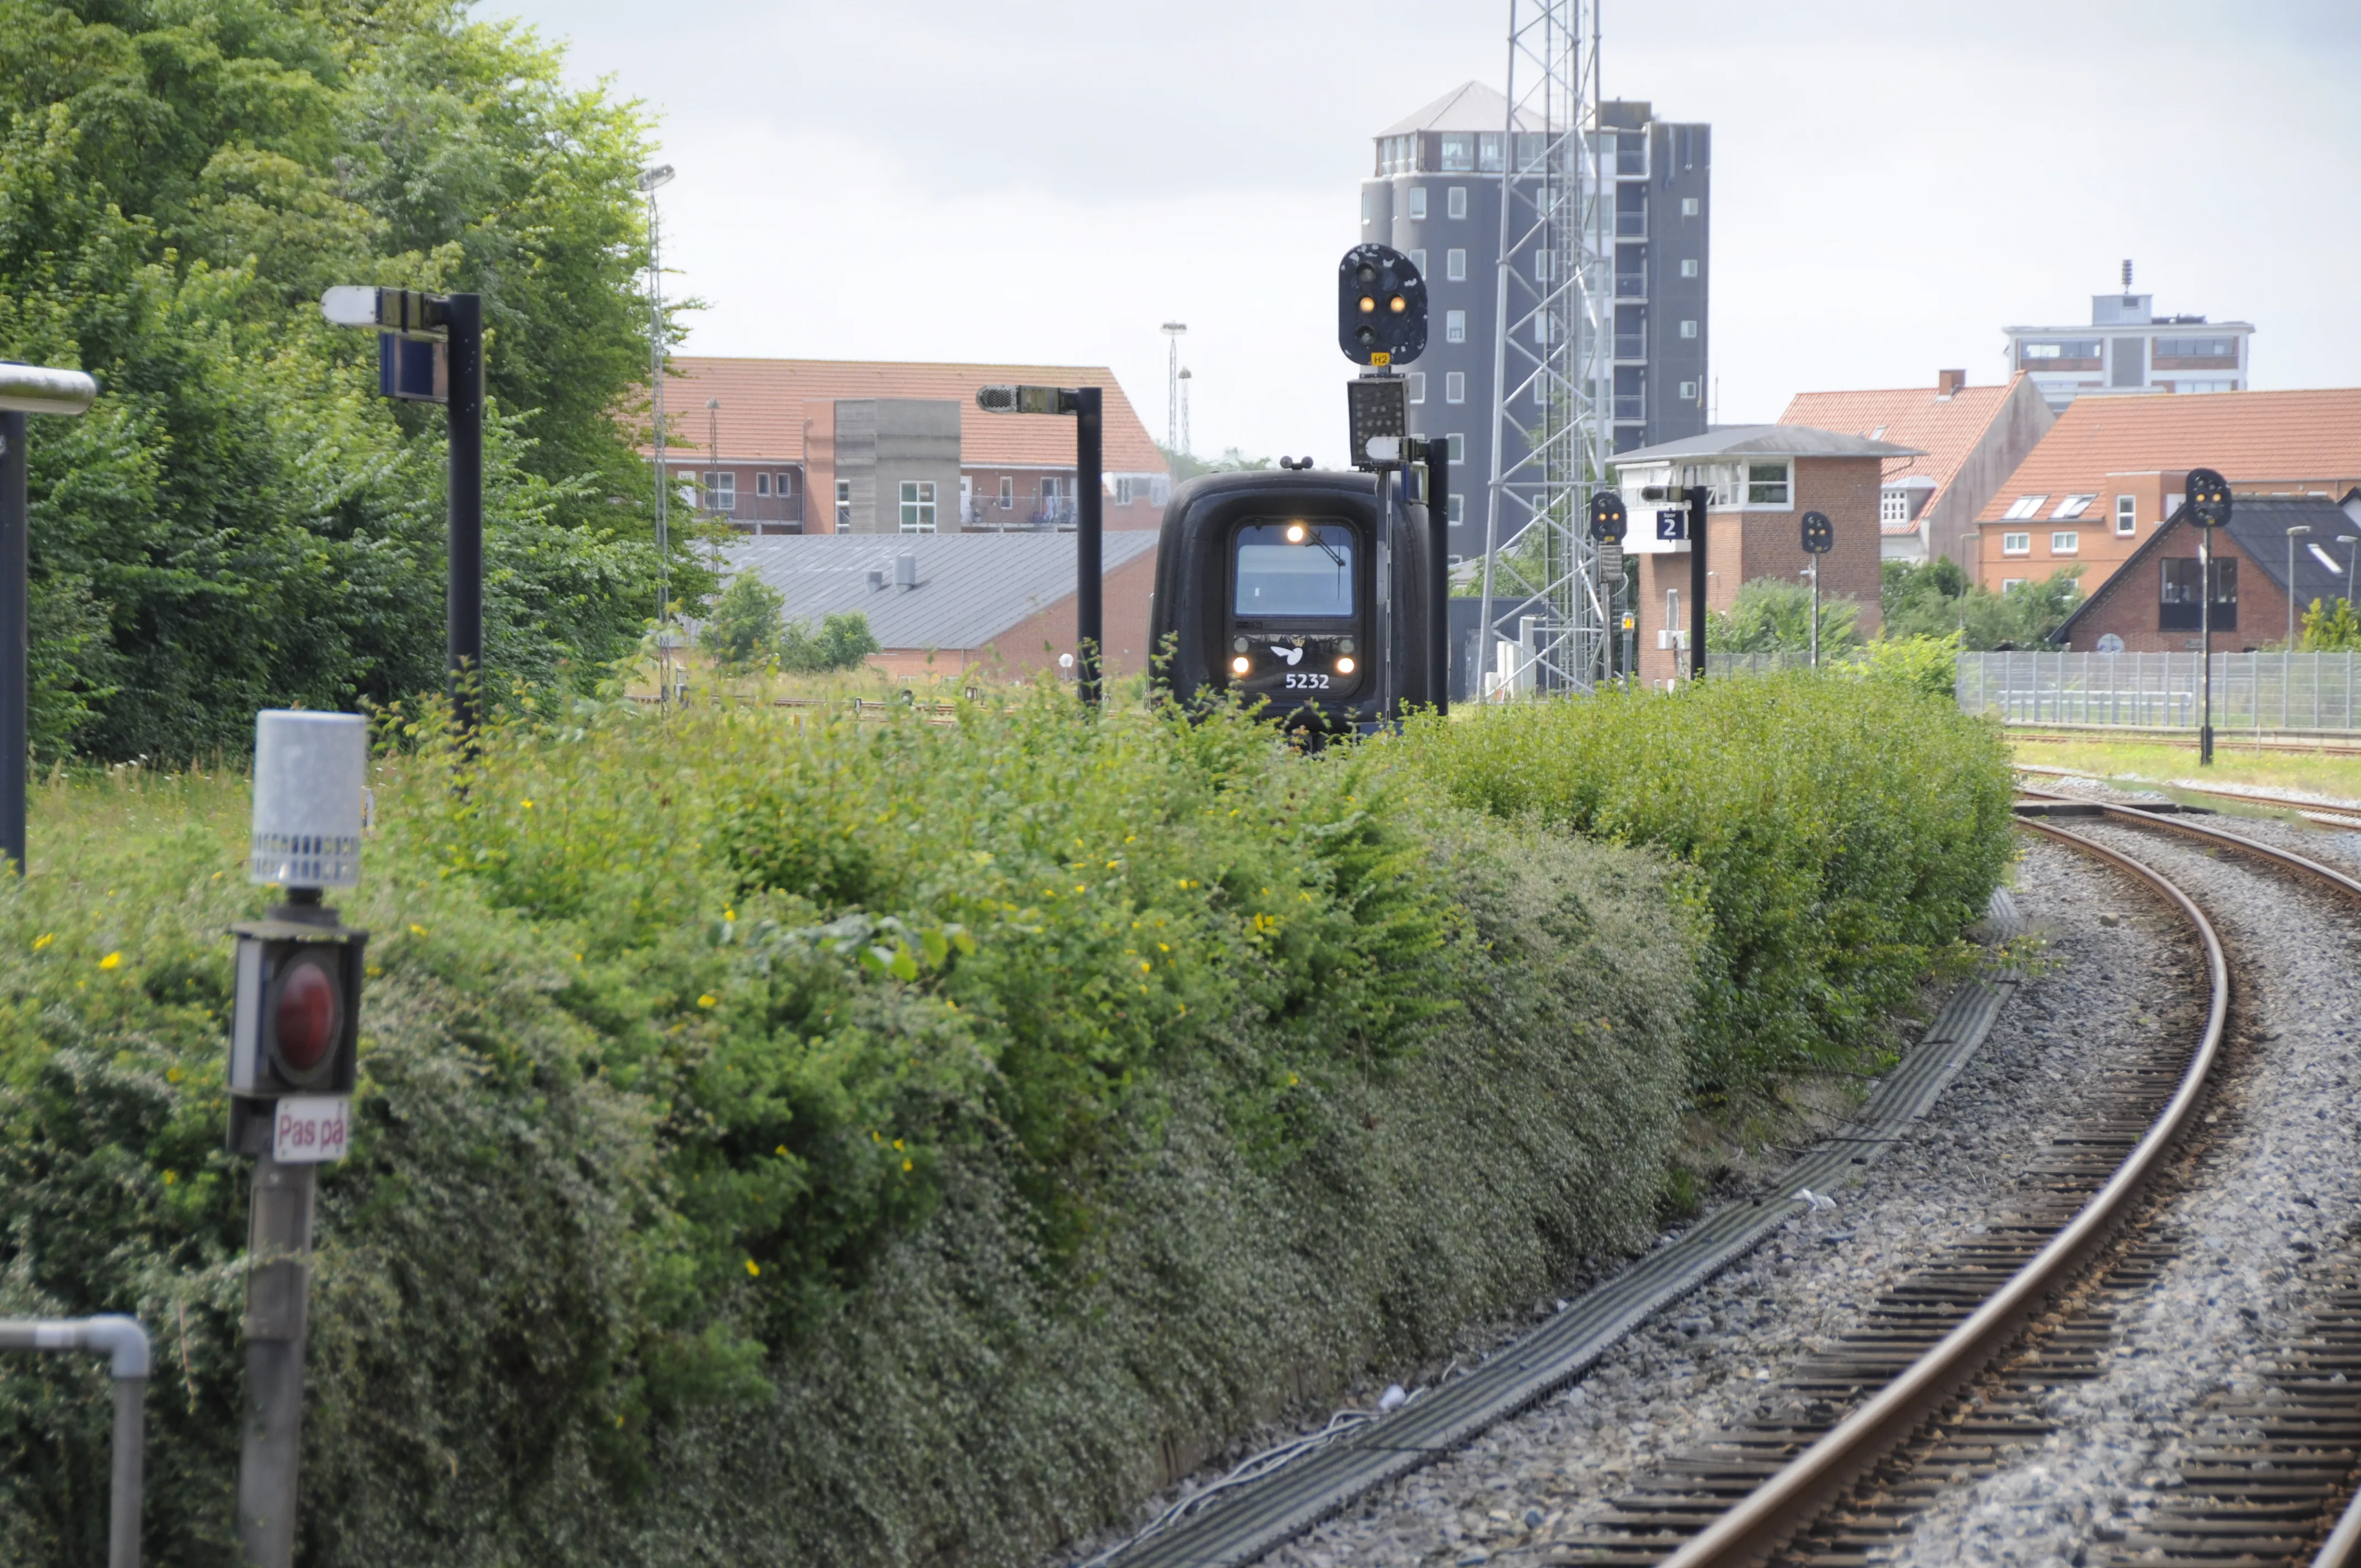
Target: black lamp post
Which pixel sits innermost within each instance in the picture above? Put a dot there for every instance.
(24, 390)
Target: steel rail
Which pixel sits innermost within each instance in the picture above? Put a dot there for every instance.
(1771, 1514)
(2340, 880)
(2343, 1547)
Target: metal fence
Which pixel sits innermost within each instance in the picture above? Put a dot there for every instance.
(1769, 663)
(2251, 691)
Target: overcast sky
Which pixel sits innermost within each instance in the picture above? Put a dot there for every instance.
(1891, 183)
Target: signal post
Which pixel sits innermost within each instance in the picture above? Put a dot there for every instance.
(293, 1062)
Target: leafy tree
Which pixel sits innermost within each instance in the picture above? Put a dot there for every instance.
(1187, 464)
(744, 629)
(1935, 600)
(2330, 629)
(239, 521)
(1773, 615)
(842, 642)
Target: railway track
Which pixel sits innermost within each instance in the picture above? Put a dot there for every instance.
(1944, 1380)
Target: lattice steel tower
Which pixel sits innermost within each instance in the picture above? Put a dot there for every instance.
(1552, 365)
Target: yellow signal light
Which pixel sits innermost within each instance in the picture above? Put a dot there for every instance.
(1400, 305)
(1368, 304)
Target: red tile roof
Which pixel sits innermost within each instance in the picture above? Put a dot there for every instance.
(2303, 439)
(1947, 430)
(765, 402)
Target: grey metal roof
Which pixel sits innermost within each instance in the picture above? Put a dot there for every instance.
(1767, 441)
(1470, 107)
(972, 586)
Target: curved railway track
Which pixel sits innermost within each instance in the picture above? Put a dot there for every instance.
(2257, 1496)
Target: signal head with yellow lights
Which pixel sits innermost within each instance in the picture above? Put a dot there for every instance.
(1380, 306)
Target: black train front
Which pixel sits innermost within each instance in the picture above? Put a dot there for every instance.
(1266, 587)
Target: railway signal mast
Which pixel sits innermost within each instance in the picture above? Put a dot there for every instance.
(1551, 368)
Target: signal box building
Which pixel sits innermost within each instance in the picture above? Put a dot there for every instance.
(1765, 478)
(2151, 604)
(865, 446)
(1001, 604)
(1434, 191)
(2108, 474)
(1970, 440)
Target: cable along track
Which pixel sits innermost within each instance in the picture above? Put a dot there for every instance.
(1739, 1499)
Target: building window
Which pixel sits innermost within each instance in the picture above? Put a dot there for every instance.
(844, 503)
(2008, 582)
(1454, 266)
(1007, 492)
(1455, 386)
(2024, 507)
(2016, 544)
(1369, 208)
(2127, 514)
(1123, 493)
(1418, 203)
(2180, 386)
(1688, 392)
(1688, 329)
(1459, 509)
(1418, 386)
(1894, 506)
(1766, 484)
(1454, 326)
(762, 484)
(1456, 444)
(2178, 608)
(1487, 152)
(2072, 507)
(1688, 266)
(1418, 259)
(1455, 203)
(1458, 151)
(918, 506)
(2066, 542)
(784, 485)
(1689, 206)
(720, 491)
(2197, 347)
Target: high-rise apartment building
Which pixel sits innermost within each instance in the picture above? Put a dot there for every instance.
(2129, 349)
(1435, 192)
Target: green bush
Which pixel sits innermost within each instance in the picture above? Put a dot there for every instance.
(842, 642)
(813, 1142)
(1845, 831)
(1772, 615)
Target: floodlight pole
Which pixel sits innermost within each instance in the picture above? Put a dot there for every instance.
(24, 390)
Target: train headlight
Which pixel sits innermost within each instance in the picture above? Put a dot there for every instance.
(1241, 664)
(1344, 666)
(1295, 533)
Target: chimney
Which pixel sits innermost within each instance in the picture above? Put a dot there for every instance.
(905, 570)
(1949, 381)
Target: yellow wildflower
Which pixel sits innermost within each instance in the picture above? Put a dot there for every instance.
(43, 940)
(708, 999)
(111, 960)
(906, 1167)
(753, 1269)
(417, 930)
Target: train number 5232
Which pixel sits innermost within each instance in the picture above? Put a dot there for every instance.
(1308, 681)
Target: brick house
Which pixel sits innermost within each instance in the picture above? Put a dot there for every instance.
(950, 603)
(1763, 477)
(2111, 470)
(2150, 606)
(1970, 440)
(862, 446)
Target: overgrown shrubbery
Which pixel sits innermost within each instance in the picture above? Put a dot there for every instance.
(822, 1143)
(1846, 829)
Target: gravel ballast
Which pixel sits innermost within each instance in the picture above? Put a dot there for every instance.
(1714, 1359)
(2260, 1229)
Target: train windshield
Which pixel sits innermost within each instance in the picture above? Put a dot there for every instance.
(1295, 568)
